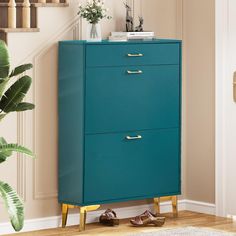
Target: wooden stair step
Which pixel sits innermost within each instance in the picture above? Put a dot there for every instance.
(18, 30)
(62, 4)
(48, 4)
(5, 4)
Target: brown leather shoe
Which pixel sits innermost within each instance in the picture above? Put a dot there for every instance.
(147, 218)
(109, 218)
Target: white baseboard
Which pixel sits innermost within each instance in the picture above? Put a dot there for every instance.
(201, 207)
(126, 212)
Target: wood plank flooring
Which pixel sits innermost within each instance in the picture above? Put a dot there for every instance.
(185, 218)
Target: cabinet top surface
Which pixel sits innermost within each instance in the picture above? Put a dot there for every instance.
(84, 42)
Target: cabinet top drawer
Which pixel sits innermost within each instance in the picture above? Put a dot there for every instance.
(132, 54)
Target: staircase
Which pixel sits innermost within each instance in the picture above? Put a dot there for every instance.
(22, 22)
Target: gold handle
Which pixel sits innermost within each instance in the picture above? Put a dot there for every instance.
(133, 137)
(234, 87)
(135, 55)
(134, 72)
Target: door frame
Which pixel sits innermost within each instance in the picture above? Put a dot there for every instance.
(221, 72)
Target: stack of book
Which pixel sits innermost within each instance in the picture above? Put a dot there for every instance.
(125, 36)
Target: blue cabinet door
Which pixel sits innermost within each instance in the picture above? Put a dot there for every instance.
(132, 98)
(131, 165)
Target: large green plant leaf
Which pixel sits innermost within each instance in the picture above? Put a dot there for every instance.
(20, 69)
(12, 147)
(24, 106)
(4, 154)
(15, 94)
(4, 60)
(13, 204)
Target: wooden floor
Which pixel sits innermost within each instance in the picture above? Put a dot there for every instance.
(185, 218)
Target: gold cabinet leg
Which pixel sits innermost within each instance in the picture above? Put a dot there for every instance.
(173, 199)
(83, 214)
(64, 214)
(85, 218)
(175, 206)
(82, 218)
(157, 205)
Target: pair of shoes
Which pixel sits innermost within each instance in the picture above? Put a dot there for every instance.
(109, 218)
(147, 218)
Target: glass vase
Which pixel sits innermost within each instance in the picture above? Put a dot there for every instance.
(94, 33)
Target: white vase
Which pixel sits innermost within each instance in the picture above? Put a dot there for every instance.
(94, 33)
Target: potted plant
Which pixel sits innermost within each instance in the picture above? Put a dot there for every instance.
(11, 98)
(93, 12)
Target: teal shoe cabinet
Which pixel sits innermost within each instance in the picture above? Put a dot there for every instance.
(119, 123)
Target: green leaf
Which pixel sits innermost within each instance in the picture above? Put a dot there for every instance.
(15, 148)
(4, 60)
(3, 83)
(13, 204)
(15, 94)
(7, 149)
(2, 116)
(2, 141)
(24, 106)
(20, 69)
(4, 155)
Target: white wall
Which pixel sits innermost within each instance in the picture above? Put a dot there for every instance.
(199, 85)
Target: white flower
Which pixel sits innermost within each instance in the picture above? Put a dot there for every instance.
(97, 7)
